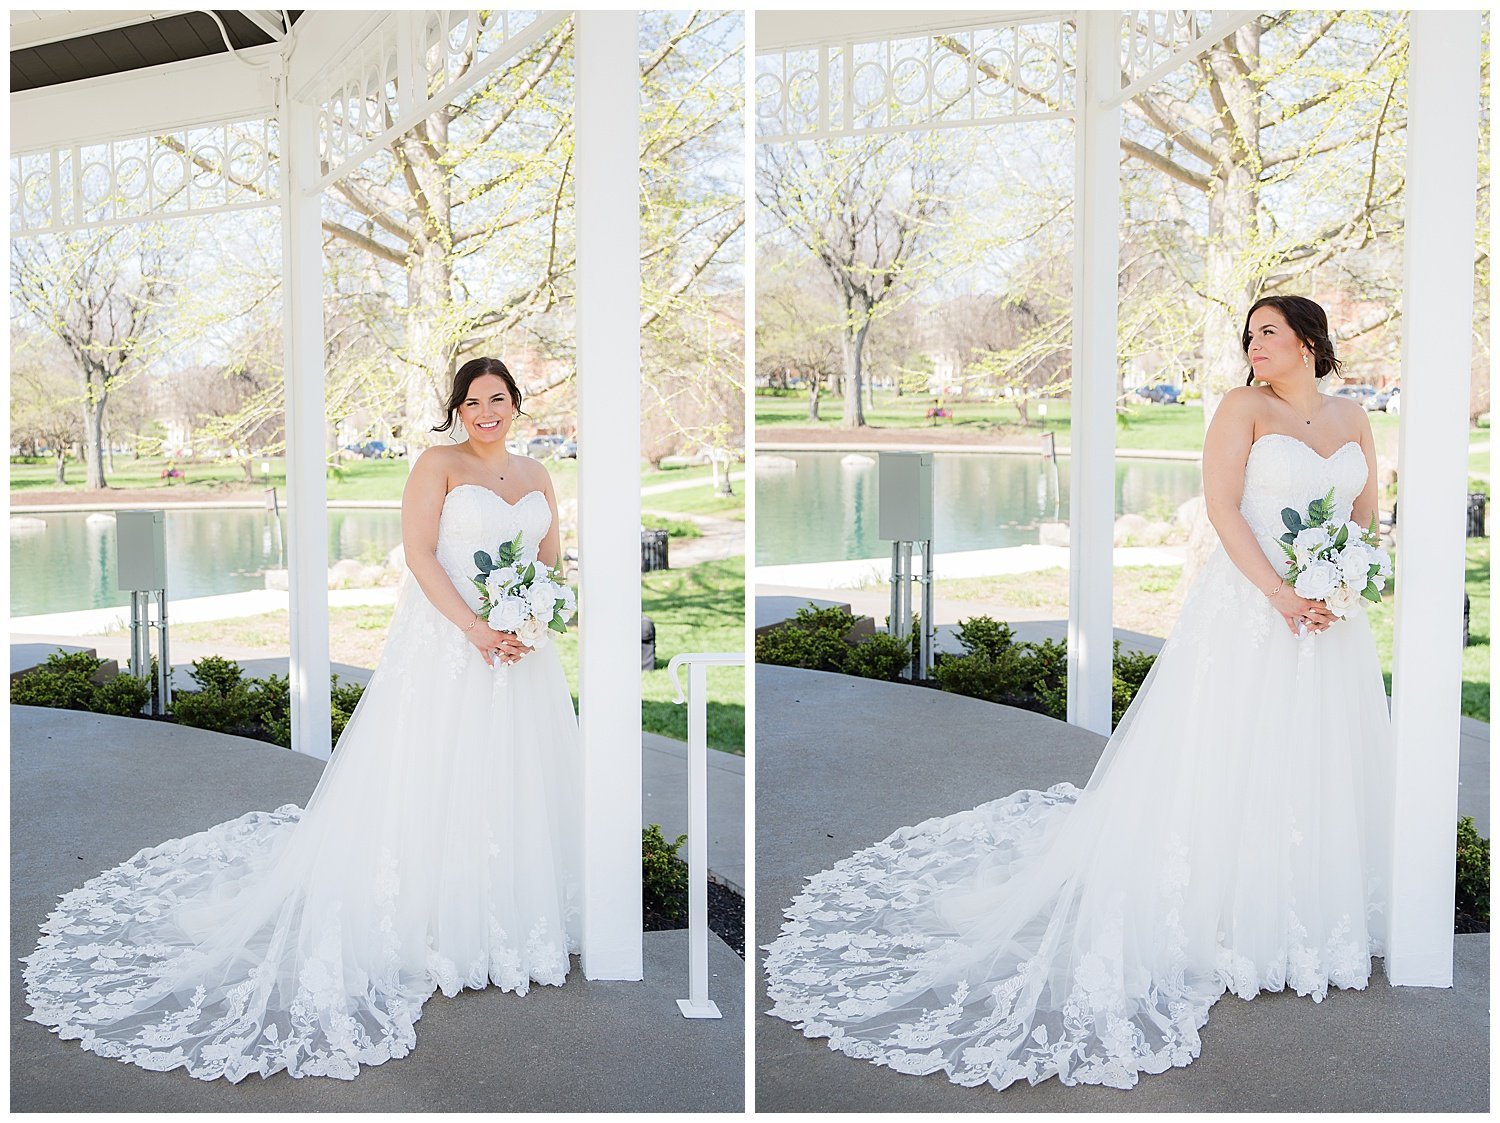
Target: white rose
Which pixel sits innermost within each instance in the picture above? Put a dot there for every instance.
(531, 632)
(507, 613)
(569, 601)
(1381, 558)
(1354, 564)
(542, 596)
(1308, 542)
(1341, 600)
(1317, 580)
(496, 584)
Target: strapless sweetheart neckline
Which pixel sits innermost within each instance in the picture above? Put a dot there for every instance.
(496, 494)
(1295, 440)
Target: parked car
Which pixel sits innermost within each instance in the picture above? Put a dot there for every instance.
(1364, 395)
(568, 449)
(1388, 401)
(543, 447)
(1161, 393)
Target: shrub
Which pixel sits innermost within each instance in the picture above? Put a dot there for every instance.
(124, 696)
(1472, 891)
(342, 700)
(221, 712)
(881, 656)
(815, 639)
(675, 528)
(63, 682)
(664, 876)
(214, 672)
(271, 708)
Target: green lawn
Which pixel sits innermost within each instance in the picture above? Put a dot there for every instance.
(354, 479)
(1145, 600)
(701, 608)
(1142, 425)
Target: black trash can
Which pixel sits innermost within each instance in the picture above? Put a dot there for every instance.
(653, 550)
(1477, 500)
(648, 644)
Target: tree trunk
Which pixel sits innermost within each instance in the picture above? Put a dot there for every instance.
(429, 287)
(1023, 407)
(93, 429)
(62, 464)
(854, 353)
(814, 396)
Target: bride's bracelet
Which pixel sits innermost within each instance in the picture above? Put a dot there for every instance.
(471, 623)
(1279, 586)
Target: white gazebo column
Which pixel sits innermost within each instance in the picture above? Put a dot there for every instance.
(609, 503)
(1091, 468)
(1442, 166)
(306, 478)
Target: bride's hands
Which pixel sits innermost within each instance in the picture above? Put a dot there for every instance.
(1313, 614)
(494, 645)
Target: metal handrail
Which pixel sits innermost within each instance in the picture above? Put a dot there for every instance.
(698, 1004)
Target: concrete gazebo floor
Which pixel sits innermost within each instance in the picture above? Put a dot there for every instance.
(88, 791)
(841, 762)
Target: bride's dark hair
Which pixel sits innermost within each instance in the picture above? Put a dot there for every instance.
(464, 378)
(1308, 322)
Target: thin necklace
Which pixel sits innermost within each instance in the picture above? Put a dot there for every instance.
(487, 468)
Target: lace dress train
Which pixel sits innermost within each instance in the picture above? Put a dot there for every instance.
(440, 851)
(1234, 836)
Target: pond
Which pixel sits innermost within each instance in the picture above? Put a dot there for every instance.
(70, 565)
(824, 510)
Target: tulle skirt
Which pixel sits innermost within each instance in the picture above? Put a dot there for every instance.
(1234, 836)
(441, 850)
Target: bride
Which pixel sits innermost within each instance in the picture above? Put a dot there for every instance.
(441, 849)
(1234, 836)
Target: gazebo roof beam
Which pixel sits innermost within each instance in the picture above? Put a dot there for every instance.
(268, 20)
(136, 103)
(1224, 25)
(54, 27)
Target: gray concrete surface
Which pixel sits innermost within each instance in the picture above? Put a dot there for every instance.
(663, 760)
(88, 791)
(841, 762)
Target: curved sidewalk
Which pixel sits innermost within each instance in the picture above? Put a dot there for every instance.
(88, 791)
(841, 762)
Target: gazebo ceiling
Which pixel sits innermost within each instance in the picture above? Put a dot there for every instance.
(50, 48)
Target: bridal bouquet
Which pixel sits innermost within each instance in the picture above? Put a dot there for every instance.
(520, 596)
(1337, 563)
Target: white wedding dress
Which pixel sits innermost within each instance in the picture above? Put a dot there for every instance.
(1234, 836)
(441, 850)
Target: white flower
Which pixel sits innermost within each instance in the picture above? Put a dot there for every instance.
(569, 601)
(1317, 580)
(1354, 564)
(1342, 599)
(497, 584)
(531, 631)
(541, 597)
(507, 613)
(1379, 557)
(1308, 542)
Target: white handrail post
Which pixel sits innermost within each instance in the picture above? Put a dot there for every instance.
(697, 1004)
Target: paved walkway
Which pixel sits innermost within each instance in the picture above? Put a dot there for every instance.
(663, 760)
(862, 572)
(88, 791)
(841, 762)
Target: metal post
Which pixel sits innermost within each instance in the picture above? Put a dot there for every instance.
(698, 1004)
(929, 626)
(164, 656)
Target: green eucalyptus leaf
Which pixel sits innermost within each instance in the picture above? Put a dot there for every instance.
(483, 562)
(1371, 593)
(1292, 520)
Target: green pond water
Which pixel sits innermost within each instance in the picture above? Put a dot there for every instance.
(70, 565)
(824, 510)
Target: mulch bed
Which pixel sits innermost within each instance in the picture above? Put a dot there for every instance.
(726, 917)
(1465, 924)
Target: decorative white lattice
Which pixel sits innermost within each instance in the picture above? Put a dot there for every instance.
(1153, 43)
(204, 169)
(407, 60)
(979, 75)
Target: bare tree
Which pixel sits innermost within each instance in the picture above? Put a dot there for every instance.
(99, 292)
(43, 402)
(869, 212)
